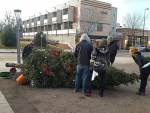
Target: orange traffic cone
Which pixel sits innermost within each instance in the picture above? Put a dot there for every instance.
(19, 79)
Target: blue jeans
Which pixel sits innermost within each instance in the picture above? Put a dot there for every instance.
(84, 72)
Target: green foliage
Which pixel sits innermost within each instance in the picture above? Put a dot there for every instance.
(116, 77)
(147, 58)
(37, 39)
(47, 69)
(8, 38)
(57, 76)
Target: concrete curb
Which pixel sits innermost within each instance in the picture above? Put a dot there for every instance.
(4, 105)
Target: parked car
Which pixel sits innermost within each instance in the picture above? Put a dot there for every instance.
(141, 47)
(147, 49)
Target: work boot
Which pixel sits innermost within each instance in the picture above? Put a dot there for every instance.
(88, 94)
(101, 94)
(141, 93)
(76, 90)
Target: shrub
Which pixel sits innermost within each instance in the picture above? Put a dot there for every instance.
(37, 39)
(8, 38)
(56, 68)
(0, 36)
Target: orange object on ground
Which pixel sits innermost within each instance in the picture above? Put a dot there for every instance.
(19, 79)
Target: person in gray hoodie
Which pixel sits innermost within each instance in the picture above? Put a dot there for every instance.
(82, 53)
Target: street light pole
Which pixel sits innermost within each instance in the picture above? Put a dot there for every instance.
(17, 14)
(144, 20)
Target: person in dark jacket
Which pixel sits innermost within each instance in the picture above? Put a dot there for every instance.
(144, 67)
(100, 55)
(27, 50)
(112, 48)
(83, 52)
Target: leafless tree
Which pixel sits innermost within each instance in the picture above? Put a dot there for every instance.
(8, 19)
(89, 20)
(133, 22)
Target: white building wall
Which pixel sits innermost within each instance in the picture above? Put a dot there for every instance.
(95, 12)
(113, 19)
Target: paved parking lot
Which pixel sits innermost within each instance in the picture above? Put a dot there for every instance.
(24, 99)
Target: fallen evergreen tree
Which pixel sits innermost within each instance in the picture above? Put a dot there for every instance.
(56, 68)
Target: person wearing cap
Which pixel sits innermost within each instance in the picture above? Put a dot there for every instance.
(82, 53)
(112, 49)
(144, 67)
(27, 50)
(100, 56)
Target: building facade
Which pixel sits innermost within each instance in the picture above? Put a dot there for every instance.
(134, 37)
(63, 22)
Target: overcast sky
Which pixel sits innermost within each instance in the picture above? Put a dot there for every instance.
(31, 7)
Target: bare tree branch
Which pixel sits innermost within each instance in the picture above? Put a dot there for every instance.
(9, 19)
(133, 22)
(89, 19)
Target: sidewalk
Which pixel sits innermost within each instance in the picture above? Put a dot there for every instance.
(7, 55)
(23, 99)
(4, 105)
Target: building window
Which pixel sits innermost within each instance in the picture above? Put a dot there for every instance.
(100, 27)
(27, 21)
(70, 25)
(49, 27)
(35, 29)
(65, 25)
(91, 26)
(104, 12)
(65, 11)
(38, 18)
(45, 16)
(33, 20)
(42, 28)
(88, 13)
(54, 27)
(54, 14)
(45, 28)
(58, 26)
